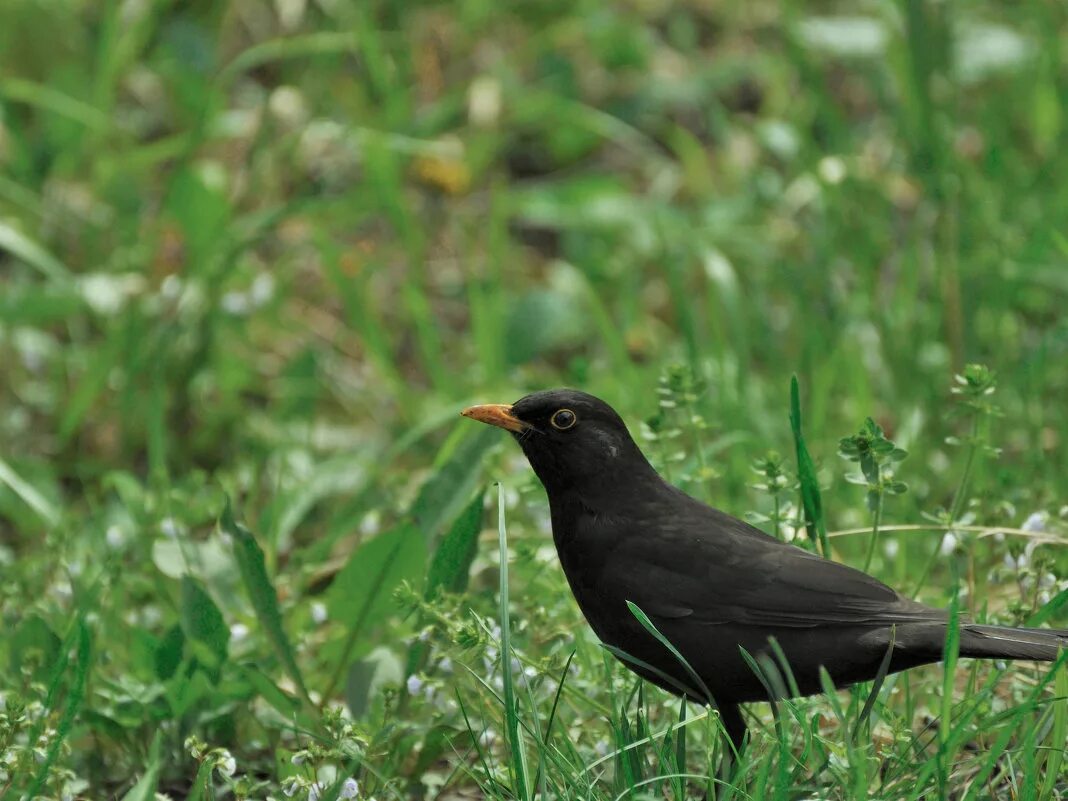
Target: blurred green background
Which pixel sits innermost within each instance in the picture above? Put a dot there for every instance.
(272, 248)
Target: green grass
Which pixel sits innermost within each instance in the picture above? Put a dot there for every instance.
(265, 252)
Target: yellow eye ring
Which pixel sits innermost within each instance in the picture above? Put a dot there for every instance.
(563, 419)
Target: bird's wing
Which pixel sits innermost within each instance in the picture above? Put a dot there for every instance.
(713, 569)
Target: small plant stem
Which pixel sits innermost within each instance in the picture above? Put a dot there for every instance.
(958, 502)
(775, 518)
(876, 518)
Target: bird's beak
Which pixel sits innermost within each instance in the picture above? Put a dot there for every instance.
(496, 414)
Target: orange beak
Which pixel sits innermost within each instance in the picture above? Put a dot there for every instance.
(496, 414)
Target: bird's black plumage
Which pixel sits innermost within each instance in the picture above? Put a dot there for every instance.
(711, 583)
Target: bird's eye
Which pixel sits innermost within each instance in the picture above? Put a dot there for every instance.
(563, 419)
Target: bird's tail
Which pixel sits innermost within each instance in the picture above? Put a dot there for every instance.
(1003, 642)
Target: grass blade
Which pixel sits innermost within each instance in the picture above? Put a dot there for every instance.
(29, 494)
(1055, 755)
(75, 697)
(806, 472)
(145, 789)
(511, 711)
(652, 629)
(880, 677)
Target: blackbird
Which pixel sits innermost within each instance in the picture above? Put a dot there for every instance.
(710, 583)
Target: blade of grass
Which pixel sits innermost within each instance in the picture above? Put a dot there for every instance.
(950, 654)
(29, 494)
(806, 472)
(880, 677)
(145, 789)
(623, 656)
(75, 697)
(1059, 734)
(518, 762)
(647, 624)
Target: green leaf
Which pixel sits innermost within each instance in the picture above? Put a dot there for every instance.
(451, 564)
(168, 654)
(253, 569)
(366, 676)
(286, 705)
(806, 472)
(361, 591)
(439, 499)
(361, 594)
(201, 782)
(145, 789)
(203, 623)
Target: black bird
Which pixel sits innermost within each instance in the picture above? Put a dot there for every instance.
(710, 583)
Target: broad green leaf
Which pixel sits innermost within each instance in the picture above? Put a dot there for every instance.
(169, 651)
(366, 676)
(451, 563)
(253, 568)
(440, 498)
(203, 623)
(361, 594)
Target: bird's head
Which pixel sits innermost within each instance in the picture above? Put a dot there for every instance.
(574, 441)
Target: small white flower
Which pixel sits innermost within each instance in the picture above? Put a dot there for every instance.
(891, 548)
(424, 635)
(290, 786)
(315, 791)
(169, 528)
(600, 748)
(235, 303)
(445, 665)
(114, 537)
(1009, 560)
(171, 287)
(262, 289)
(349, 789)
(414, 684)
(318, 612)
(949, 544)
(369, 524)
(225, 764)
(299, 758)
(832, 169)
(1035, 522)
(238, 632)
